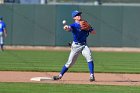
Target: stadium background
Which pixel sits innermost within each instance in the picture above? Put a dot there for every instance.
(41, 24)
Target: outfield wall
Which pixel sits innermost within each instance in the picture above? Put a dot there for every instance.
(116, 26)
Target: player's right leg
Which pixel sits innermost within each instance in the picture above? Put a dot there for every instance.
(75, 51)
(71, 60)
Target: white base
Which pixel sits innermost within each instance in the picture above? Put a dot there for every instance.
(40, 78)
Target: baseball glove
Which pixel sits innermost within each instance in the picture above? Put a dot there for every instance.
(84, 25)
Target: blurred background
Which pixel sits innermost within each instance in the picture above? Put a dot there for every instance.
(39, 22)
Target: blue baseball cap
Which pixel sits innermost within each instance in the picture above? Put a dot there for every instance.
(75, 13)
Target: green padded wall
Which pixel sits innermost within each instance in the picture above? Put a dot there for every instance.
(131, 26)
(34, 25)
(116, 26)
(44, 33)
(23, 24)
(111, 26)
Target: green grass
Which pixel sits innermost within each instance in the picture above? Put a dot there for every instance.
(21, 60)
(64, 88)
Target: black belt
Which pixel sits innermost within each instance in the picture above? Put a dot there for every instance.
(80, 43)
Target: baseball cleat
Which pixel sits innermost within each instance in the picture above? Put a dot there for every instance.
(56, 77)
(92, 79)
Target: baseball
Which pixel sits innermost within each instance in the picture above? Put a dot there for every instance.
(64, 22)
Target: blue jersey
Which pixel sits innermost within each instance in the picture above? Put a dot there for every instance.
(79, 36)
(2, 26)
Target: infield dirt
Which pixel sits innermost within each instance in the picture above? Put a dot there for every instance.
(72, 78)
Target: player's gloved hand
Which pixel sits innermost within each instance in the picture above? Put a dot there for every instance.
(84, 25)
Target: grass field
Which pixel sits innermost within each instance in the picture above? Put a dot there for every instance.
(64, 88)
(113, 62)
(19, 60)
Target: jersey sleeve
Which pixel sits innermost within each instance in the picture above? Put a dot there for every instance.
(72, 26)
(75, 26)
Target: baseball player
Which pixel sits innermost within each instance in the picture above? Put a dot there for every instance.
(80, 30)
(2, 33)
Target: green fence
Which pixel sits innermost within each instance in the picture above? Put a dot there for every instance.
(116, 26)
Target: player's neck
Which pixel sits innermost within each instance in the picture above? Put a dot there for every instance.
(77, 21)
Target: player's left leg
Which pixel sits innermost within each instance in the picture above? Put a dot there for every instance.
(87, 54)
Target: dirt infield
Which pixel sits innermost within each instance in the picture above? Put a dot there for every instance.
(72, 78)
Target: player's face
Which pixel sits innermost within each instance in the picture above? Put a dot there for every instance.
(78, 18)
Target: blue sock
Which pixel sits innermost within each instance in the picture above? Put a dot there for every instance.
(64, 69)
(91, 67)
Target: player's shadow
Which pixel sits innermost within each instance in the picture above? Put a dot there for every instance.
(123, 81)
(127, 81)
(117, 81)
